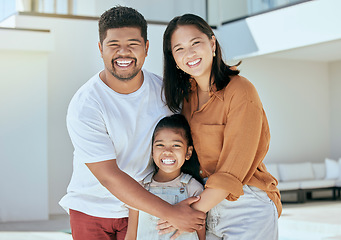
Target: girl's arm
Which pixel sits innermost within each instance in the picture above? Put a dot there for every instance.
(132, 225)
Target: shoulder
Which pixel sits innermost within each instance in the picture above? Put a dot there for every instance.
(85, 99)
(240, 85)
(241, 89)
(152, 77)
(194, 188)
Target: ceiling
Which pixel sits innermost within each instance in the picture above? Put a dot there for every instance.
(325, 52)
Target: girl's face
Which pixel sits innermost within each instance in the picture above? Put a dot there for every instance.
(193, 51)
(170, 151)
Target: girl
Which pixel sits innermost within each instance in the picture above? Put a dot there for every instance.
(230, 133)
(174, 159)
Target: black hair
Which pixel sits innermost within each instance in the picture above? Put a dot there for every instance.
(179, 122)
(176, 83)
(119, 17)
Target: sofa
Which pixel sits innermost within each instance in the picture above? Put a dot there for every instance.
(304, 178)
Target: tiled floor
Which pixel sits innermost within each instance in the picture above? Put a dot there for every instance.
(315, 220)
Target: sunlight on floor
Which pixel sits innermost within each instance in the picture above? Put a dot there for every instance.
(35, 236)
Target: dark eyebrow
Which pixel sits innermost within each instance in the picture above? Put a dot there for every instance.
(129, 40)
(134, 40)
(190, 41)
(180, 141)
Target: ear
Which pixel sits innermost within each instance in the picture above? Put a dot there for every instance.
(213, 43)
(147, 47)
(100, 49)
(189, 152)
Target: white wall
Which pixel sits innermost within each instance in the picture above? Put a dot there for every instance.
(335, 109)
(295, 95)
(23, 136)
(75, 59)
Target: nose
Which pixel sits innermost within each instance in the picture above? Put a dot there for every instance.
(167, 151)
(123, 51)
(190, 53)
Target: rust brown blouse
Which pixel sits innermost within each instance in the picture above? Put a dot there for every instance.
(231, 136)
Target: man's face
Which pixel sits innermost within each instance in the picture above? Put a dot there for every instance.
(123, 52)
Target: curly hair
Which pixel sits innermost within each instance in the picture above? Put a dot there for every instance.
(119, 17)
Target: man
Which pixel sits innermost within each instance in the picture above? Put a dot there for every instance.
(110, 122)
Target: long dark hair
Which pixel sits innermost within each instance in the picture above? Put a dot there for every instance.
(176, 83)
(179, 122)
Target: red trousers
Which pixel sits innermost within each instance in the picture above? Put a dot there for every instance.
(86, 227)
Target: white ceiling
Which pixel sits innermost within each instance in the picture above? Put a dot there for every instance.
(325, 52)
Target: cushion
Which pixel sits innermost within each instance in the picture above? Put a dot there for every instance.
(283, 186)
(273, 170)
(296, 171)
(319, 170)
(332, 169)
(311, 184)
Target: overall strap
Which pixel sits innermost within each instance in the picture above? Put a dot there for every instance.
(147, 181)
(185, 179)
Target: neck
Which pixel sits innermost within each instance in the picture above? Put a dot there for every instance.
(203, 83)
(161, 176)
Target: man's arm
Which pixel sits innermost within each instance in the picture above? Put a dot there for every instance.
(125, 188)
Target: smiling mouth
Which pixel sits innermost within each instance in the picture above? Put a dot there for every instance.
(168, 161)
(194, 63)
(124, 63)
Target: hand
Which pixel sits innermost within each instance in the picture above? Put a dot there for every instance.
(176, 234)
(164, 227)
(183, 218)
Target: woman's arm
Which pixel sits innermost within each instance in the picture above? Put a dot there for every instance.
(209, 198)
(132, 225)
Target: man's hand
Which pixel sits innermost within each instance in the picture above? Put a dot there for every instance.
(183, 218)
(176, 234)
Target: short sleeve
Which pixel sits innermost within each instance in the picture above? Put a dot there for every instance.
(194, 188)
(88, 134)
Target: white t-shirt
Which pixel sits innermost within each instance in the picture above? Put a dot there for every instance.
(104, 125)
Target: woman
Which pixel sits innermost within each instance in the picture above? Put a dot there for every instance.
(230, 133)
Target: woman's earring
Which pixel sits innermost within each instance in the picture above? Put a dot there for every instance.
(214, 54)
(177, 67)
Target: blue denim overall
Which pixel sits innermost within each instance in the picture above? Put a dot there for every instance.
(147, 223)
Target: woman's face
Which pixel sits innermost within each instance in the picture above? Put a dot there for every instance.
(193, 51)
